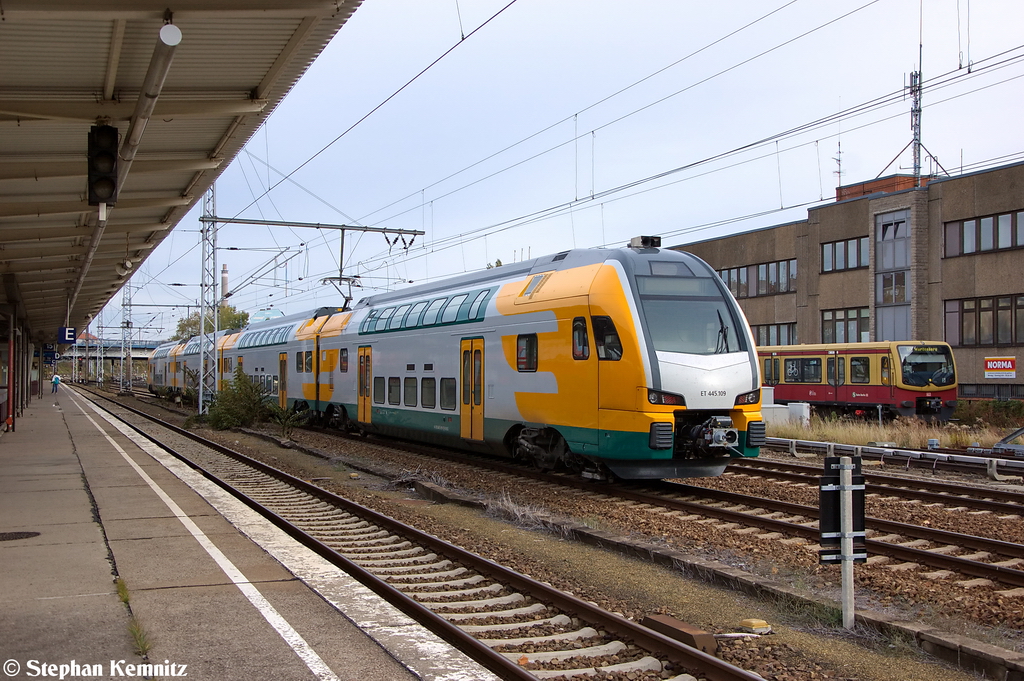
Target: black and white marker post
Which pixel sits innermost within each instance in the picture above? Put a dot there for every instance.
(841, 523)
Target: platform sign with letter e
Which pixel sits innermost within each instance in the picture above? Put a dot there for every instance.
(67, 335)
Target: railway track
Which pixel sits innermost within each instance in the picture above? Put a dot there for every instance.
(975, 557)
(962, 461)
(949, 553)
(995, 500)
(514, 625)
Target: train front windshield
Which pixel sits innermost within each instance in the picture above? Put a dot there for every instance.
(927, 364)
(687, 313)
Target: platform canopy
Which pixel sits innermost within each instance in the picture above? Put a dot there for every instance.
(186, 84)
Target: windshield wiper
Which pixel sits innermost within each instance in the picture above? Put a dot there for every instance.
(723, 335)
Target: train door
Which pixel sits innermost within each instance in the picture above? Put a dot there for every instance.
(365, 380)
(472, 412)
(835, 369)
(886, 376)
(316, 373)
(282, 391)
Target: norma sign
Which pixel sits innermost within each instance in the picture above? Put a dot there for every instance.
(1000, 367)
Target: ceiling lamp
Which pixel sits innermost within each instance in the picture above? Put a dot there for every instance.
(123, 268)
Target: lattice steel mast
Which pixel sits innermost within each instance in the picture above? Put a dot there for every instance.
(209, 317)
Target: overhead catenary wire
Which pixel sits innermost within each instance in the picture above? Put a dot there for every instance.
(604, 200)
(387, 99)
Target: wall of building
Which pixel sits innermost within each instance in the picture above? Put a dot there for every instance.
(935, 278)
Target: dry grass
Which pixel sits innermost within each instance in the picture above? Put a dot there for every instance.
(906, 433)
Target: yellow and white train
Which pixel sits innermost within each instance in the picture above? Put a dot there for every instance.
(635, 361)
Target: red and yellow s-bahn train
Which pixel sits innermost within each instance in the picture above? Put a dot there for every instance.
(905, 378)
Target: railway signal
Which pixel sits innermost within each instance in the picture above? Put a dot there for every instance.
(102, 165)
(841, 522)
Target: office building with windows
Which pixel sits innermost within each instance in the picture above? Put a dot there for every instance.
(890, 260)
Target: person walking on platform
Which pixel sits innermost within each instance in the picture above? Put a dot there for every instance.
(56, 382)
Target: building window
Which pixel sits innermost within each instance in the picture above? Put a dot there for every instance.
(988, 233)
(775, 334)
(851, 325)
(763, 279)
(985, 321)
(892, 282)
(892, 287)
(848, 254)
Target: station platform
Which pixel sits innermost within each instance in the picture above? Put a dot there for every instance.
(213, 591)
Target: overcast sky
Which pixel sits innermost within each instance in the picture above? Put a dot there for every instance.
(580, 123)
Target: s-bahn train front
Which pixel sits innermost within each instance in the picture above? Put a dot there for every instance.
(700, 394)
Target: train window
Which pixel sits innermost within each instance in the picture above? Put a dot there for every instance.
(430, 314)
(451, 310)
(606, 339)
(277, 385)
(860, 370)
(428, 367)
(309, 361)
(836, 371)
(803, 370)
(299, 363)
(670, 268)
(396, 321)
(383, 319)
(526, 352)
(476, 309)
(886, 371)
(413, 318)
(394, 390)
(410, 391)
(467, 368)
(771, 370)
(428, 392)
(410, 367)
(378, 389)
(532, 286)
(478, 376)
(343, 360)
(449, 394)
(580, 341)
(368, 323)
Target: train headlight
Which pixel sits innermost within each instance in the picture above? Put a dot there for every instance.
(658, 397)
(753, 397)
